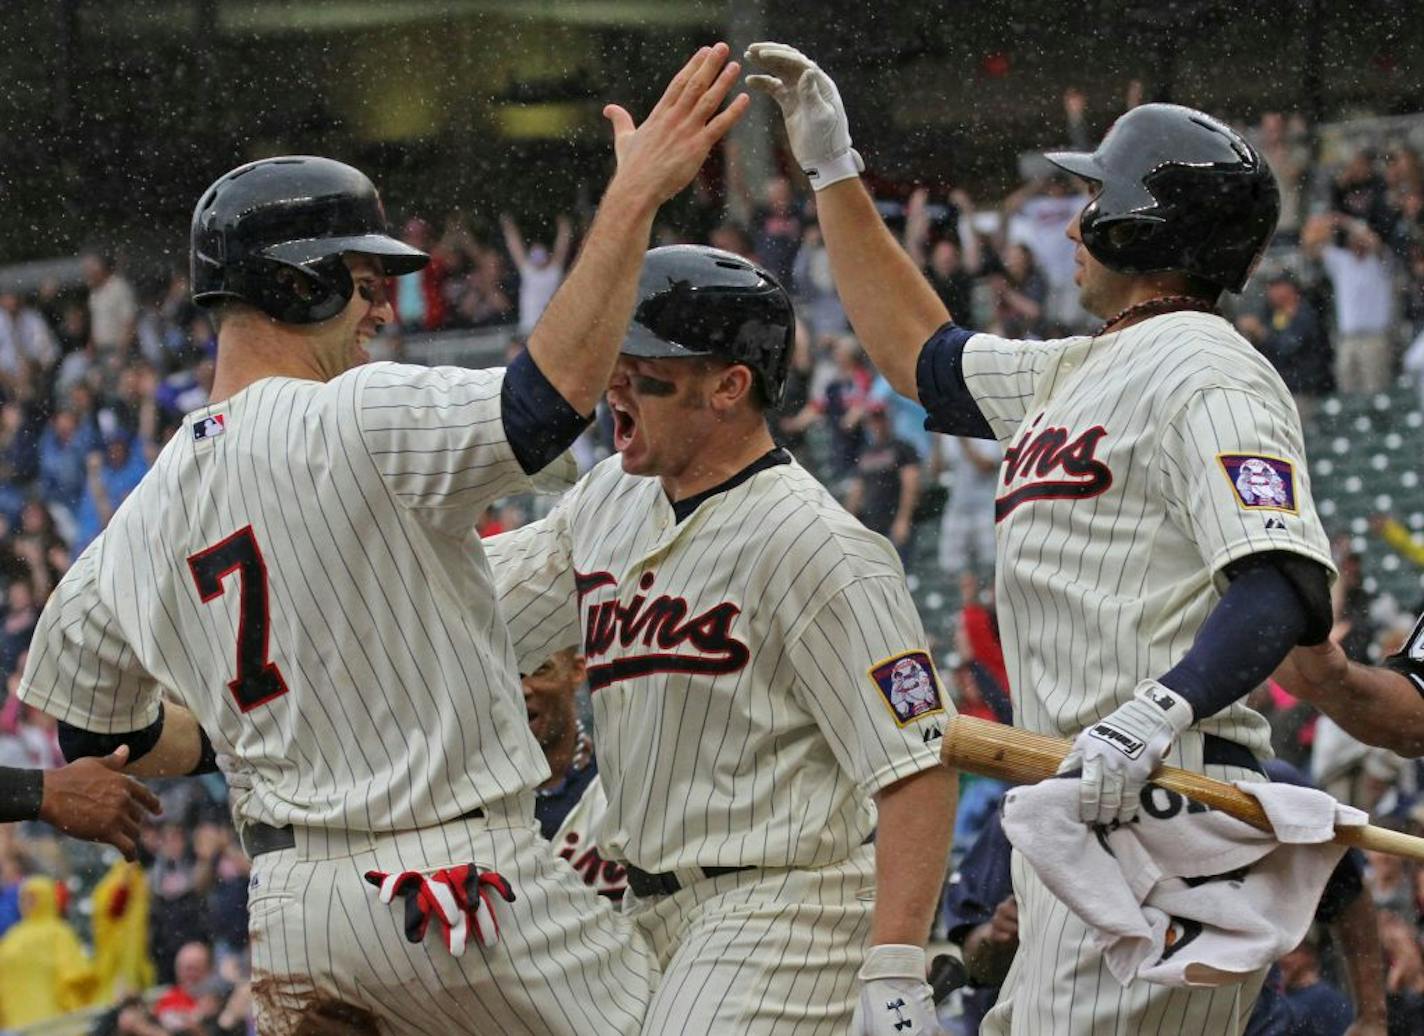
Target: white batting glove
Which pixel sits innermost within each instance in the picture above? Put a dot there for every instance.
(895, 999)
(1119, 753)
(816, 123)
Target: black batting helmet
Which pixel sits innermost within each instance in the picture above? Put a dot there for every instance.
(1179, 191)
(272, 234)
(700, 301)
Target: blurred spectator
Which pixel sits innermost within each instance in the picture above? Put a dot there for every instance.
(842, 402)
(27, 345)
(966, 535)
(731, 237)
(44, 971)
(952, 261)
(1019, 294)
(818, 303)
(1319, 1009)
(1360, 192)
(1283, 143)
(777, 228)
(420, 300)
(885, 489)
(1038, 216)
(907, 417)
(176, 910)
(1355, 626)
(1364, 301)
(1404, 975)
(65, 446)
(112, 476)
(1290, 336)
(1391, 885)
(979, 645)
(128, 1018)
(788, 428)
(540, 270)
(113, 307)
(120, 923)
(223, 868)
(196, 996)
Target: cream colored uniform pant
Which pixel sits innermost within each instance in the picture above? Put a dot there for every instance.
(760, 952)
(566, 963)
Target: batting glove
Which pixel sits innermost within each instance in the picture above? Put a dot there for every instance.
(816, 123)
(895, 999)
(458, 898)
(1119, 753)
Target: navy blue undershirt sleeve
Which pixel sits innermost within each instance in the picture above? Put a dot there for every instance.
(21, 794)
(1254, 625)
(75, 743)
(538, 422)
(939, 376)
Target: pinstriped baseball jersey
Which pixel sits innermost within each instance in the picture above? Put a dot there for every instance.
(576, 841)
(1137, 466)
(371, 689)
(758, 669)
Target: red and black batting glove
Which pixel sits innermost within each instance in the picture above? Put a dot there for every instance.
(459, 898)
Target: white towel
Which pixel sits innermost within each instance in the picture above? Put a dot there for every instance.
(1184, 895)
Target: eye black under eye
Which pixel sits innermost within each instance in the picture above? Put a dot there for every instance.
(650, 386)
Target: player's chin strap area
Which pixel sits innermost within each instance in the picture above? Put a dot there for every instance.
(460, 899)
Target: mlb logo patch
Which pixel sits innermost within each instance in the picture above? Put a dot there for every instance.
(1260, 483)
(209, 427)
(909, 685)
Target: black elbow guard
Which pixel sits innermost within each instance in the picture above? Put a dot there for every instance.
(78, 744)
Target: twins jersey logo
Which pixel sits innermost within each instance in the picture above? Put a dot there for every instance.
(1046, 464)
(909, 685)
(1260, 483)
(677, 642)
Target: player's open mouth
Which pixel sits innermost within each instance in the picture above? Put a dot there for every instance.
(624, 425)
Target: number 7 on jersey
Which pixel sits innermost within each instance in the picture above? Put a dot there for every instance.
(258, 679)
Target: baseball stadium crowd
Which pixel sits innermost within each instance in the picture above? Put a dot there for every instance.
(94, 377)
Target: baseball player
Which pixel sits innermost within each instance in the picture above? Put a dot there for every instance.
(759, 675)
(1158, 550)
(299, 570)
(570, 804)
(88, 798)
(1380, 705)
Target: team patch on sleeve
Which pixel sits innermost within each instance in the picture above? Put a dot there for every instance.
(1260, 483)
(909, 685)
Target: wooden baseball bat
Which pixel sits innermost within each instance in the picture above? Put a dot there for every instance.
(1021, 757)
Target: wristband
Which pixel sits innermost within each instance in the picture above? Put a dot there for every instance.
(893, 960)
(833, 170)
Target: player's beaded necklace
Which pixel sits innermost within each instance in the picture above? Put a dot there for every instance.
(1156, 307)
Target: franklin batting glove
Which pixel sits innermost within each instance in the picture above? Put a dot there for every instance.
(895, 999)
(1119, 753)
(816, 123)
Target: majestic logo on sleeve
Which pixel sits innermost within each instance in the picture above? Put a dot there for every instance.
(1046, 464)
(657, 635)
(909, 685)
(1260, 483)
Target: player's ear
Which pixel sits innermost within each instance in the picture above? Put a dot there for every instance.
(734, 383)
(580, 668)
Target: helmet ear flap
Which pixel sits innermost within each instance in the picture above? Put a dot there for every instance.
(299, 294)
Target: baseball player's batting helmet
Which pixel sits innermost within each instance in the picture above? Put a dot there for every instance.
(700, 301)
(272, 234)
(1179, 191)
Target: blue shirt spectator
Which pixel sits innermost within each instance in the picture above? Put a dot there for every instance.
(64, 451)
